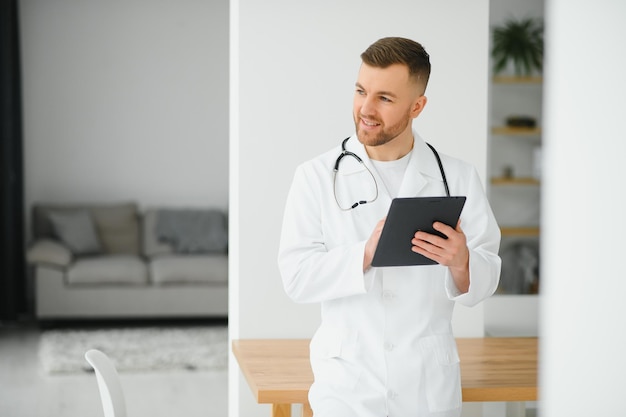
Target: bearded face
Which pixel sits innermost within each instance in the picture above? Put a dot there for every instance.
(385, 103)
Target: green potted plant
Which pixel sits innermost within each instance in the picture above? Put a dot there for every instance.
(519, 42)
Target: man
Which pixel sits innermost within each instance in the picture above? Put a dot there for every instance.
(385, 345)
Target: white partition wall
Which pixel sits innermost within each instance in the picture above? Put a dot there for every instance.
(583, 336)
(293, 68)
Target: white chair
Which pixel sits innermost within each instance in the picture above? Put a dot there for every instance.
(111, 394)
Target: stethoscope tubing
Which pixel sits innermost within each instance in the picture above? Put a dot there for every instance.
(345, 152)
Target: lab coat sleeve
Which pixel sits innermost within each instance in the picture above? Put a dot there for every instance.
(483, 241)
(310, 271)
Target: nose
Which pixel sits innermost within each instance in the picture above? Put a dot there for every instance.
(367, 106)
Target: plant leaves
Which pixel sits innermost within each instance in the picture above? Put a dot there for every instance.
(519, 42)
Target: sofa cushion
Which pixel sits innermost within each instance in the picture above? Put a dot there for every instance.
(151, 244)
(111, 269)
(76, 229)
(179, 269)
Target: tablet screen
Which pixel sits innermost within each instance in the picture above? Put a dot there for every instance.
(408, 215)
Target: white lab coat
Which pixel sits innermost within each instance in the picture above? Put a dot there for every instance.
(385, 345)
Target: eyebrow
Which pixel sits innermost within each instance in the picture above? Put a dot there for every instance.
(380, 93)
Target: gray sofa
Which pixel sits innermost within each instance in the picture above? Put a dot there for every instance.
(115, 261)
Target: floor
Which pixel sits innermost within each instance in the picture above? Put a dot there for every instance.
(25, 391)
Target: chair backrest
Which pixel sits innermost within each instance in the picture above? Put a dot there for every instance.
(111, 394)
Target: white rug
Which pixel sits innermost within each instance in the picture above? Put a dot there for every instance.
(137, 349)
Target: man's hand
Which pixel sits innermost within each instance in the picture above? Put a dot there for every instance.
(372, 243)
(451, 252)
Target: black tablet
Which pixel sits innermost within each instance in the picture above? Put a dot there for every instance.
(408, 215)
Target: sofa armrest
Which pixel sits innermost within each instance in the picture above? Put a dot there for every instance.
(51, 252)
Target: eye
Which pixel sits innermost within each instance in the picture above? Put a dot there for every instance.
(385, 99)
(360, 92)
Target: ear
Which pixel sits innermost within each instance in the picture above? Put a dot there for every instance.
(418, 106)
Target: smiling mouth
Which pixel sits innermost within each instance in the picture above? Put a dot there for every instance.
(369, 123)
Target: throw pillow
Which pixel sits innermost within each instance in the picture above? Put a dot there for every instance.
(118, 227)
(76, 230)
(193, 230)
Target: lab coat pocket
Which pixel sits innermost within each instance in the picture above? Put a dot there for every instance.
(442, 372)
(333, 353)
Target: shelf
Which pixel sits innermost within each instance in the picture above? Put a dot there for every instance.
(520, 231)
(514, 181)
(516, 131)
(511, 79)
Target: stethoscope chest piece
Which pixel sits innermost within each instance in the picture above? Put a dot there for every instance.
(346, 153)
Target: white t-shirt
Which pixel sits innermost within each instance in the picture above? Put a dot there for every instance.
(392, 173)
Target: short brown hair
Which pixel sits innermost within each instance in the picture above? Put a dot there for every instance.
(388, 51)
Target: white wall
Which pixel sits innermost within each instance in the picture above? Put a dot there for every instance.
(294, 65)
(583, 336)
(125, 100)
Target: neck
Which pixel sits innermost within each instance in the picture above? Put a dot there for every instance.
(392, 150)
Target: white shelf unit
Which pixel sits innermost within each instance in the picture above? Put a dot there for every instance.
(515, 185)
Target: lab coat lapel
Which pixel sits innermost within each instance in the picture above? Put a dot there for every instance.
(422, 166)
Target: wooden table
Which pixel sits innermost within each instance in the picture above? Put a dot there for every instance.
(492, 369)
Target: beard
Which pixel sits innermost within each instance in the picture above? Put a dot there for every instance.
(384, 135)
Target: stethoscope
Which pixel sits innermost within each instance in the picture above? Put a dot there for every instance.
(345, 152)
